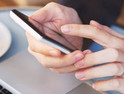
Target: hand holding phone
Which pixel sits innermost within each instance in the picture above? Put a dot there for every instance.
(25, 23)
(48, 56)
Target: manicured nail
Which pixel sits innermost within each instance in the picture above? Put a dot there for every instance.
(79, 75)
(78, 56)
(79, 64)
(65, 29)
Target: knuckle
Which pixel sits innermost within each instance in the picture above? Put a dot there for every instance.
(52, 4)
(94, 32)
(57, 7)
(114, 53)
(117, 84)
(117, 68)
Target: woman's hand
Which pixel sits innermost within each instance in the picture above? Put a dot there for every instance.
(54, 16)
(113, 53)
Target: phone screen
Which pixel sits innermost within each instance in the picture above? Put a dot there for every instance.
(49, 34)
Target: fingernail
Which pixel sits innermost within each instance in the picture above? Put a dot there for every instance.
(79, 75)
(65, 29)
(79, 64)
(53, 53)
(78, 56)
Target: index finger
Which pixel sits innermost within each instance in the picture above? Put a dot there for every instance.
(88, 31)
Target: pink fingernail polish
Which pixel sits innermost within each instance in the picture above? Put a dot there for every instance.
(79, 75)
(79, 64)
(78, 56)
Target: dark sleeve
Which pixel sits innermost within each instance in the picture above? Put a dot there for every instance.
(103, 11)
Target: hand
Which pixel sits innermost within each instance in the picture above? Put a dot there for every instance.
(113, 53)
(54, 16)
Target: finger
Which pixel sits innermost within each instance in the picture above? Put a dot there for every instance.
(71, 68)
(112, 84)
(106, 28)
(46, 13)
(100, 57)
(57, 62)
(94, 33)
(68, 69)
(110, 69)
(40, 47)
(41, 15)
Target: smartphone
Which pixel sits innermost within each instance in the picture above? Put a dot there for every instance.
(26, 24)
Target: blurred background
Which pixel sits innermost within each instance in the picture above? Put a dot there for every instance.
(27, 3)
(23, 3)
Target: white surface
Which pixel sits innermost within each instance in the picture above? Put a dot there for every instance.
(5, 39)
(24, 73)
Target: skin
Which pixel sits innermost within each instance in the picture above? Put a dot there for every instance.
(113, 53)
(79, 62)
(48, 56)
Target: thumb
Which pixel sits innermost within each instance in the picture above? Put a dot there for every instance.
(42, 15)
